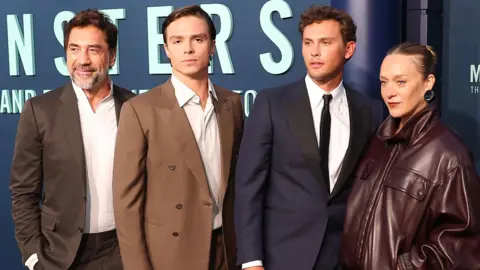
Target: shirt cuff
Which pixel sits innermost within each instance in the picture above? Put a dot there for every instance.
(31, 261)
(252, 264)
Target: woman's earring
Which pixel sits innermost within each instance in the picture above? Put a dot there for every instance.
(429, 95)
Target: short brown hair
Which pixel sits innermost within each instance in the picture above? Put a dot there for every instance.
(193, 10)
(425, 55)
(317, 14)
(91, 17)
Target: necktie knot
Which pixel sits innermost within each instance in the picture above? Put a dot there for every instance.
(327, 98)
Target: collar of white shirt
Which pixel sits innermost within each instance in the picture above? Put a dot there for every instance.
(315, 94)
(81, 96)
(183, 93)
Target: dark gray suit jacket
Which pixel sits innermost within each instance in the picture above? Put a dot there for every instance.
(48, 177)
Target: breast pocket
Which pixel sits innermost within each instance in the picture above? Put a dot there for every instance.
(408, 182)
(405, 200)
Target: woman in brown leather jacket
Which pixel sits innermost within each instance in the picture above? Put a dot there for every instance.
(415, 203)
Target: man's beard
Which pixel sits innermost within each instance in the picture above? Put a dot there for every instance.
(90, 83)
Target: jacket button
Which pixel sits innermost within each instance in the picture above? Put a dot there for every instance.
(80, 229)
(171, 167)
(175, 234)
(179, 206)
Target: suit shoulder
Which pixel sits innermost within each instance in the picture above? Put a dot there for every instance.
(282, 91)
(47, 98)
(363, 99)
(124, 92)
(149, 97)
(225, 92)
(286, 87)
(359, 96)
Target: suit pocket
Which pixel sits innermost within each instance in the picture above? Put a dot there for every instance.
(153, 222)
(409, 182)
(47, 221)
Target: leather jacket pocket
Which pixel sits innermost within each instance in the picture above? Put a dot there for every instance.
(408, 181)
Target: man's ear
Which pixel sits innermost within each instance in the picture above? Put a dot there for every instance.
(113, 57)
(350, 49)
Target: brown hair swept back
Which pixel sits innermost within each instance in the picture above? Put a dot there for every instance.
(92, 17)
(193, 10)
(317, 14)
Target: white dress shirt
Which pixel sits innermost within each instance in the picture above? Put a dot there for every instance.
(99, 131)
(339, 130)
(205, 128)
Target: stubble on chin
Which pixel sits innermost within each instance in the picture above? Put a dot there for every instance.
(91, 83)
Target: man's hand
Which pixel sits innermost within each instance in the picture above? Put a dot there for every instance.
(255, 268)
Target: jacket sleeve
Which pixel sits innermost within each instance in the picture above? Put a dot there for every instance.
(239, 113)
(454, 239)
(129, 184)
(250, 181)
(26, 183)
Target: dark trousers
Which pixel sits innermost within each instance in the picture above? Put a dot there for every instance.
(98, 251)
(217, 251)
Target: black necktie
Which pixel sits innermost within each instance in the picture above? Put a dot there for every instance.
(325, 124)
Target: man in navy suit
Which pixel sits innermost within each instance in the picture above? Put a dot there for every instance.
(301, 143)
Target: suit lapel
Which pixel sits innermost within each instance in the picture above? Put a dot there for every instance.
(359, 130)
(120, 96)
(300, 122)
(224, 114)
(69, 117)
(119, 99)
(186, 139)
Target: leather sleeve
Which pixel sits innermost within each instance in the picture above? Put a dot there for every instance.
(454, 238)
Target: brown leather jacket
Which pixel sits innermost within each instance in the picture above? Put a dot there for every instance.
(415, 203)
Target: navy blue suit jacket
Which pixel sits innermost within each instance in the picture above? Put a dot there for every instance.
(284, 213)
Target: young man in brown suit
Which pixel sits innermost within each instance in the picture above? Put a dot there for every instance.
(175, 159)
(63, 158)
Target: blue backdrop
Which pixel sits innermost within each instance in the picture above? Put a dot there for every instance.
(258, 46)
(461, 62)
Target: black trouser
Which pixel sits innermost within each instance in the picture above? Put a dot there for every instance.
(98, 251)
